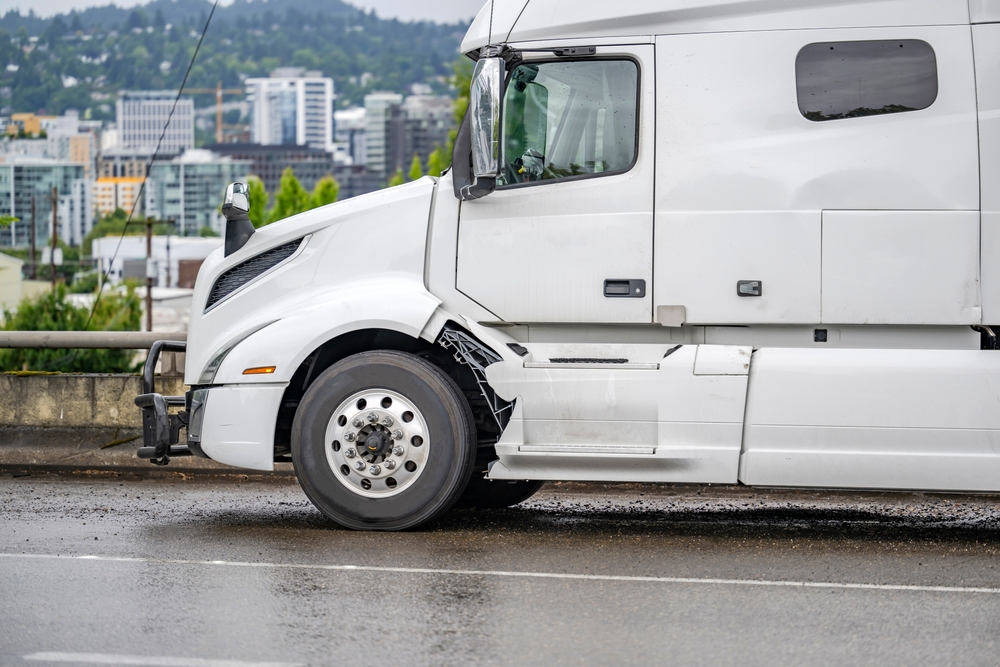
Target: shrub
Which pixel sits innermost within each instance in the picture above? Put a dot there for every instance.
(52, 312)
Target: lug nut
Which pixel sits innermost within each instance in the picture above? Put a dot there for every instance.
(397, 451)
(358, 422)
(350, 453)
(390, 464)
(349, 437)
(397, 435)
(359, 465)
(387, 421)
(372, 417)
(375, 470)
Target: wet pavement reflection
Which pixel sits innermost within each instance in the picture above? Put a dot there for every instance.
(200, 569)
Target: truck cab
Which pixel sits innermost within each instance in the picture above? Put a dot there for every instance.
(701, 242)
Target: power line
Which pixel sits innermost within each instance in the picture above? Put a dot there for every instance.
(142, 188)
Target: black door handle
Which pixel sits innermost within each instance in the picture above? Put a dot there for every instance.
(625, 289)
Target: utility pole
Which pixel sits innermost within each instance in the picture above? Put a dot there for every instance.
(32, 272)
(149, 277)
(55, 232)
(218, 115)
(169, 283)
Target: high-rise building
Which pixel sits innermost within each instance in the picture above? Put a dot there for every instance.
(428, 120)
(268, 162)
(122, 192)
(76, 212)
(120, 162)
(190, 188)
(143, 115)
(397, 129)
(292, 106)
(379, 110)
(22, 178)
(351, 127)
(68, 139)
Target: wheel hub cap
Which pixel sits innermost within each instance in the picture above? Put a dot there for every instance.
(377, 443)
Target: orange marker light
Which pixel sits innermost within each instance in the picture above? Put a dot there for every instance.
(260, 370)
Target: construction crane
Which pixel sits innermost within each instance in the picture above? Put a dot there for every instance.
(219, 92)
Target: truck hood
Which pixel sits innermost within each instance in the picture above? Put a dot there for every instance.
(382, 233)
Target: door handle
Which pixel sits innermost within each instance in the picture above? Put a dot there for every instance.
(624, 289)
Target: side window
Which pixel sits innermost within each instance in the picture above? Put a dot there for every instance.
(569, 119)
(854, 79)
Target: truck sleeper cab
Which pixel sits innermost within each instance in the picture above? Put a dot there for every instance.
(680, 242)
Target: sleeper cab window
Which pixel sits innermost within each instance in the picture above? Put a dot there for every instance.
(837, 80)
(569, 119)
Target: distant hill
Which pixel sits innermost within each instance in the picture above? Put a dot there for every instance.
(81, 59)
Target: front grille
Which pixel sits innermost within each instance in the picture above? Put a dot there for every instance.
(241, 274)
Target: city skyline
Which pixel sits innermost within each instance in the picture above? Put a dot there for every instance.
(440, 11)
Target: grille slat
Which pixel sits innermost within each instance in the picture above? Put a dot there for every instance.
(241, 274)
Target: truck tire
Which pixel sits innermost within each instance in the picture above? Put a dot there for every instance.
(383, 440)
(497, 494)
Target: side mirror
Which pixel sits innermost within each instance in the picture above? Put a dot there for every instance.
(237, 197)
(478, 141)
(235, 207)
(484, 102)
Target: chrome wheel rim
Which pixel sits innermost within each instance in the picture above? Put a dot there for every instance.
(377, 443)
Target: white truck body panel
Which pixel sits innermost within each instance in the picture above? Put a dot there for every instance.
(554, 20)
(240, 428)
(333, 286)
(747, 192)
(879, 419)
(528, 254)
(986, 39)
(901, 267)
(657, 419)
(984, 11)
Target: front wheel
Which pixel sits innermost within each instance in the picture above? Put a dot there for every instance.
(383, 441)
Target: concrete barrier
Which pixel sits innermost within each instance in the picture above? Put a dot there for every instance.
(80, 421)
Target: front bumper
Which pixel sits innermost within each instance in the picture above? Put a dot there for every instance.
(160, 429)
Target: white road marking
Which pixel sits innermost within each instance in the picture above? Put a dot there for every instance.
(144, 661)
(525, 575)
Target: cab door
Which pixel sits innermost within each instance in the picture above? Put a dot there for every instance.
(568, 234)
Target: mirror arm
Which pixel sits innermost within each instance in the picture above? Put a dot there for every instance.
(467, 186)
(239, 229)
(478, 189)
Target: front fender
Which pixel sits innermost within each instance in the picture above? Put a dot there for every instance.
(398, 302)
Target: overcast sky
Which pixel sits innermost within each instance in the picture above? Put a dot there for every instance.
(443, 11)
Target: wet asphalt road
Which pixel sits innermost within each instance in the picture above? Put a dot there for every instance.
(225, 573)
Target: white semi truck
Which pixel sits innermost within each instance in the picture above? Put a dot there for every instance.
(691, 241)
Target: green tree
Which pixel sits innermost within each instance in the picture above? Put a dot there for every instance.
(326, 192)
(437, 162)
(396, 179)
(207, 232)
(52, 312)
(258, 201)
(416, 169)
(85, 283)
(290, 199)
(461, 80)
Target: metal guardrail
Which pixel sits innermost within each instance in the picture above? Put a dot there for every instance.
(107, 340)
